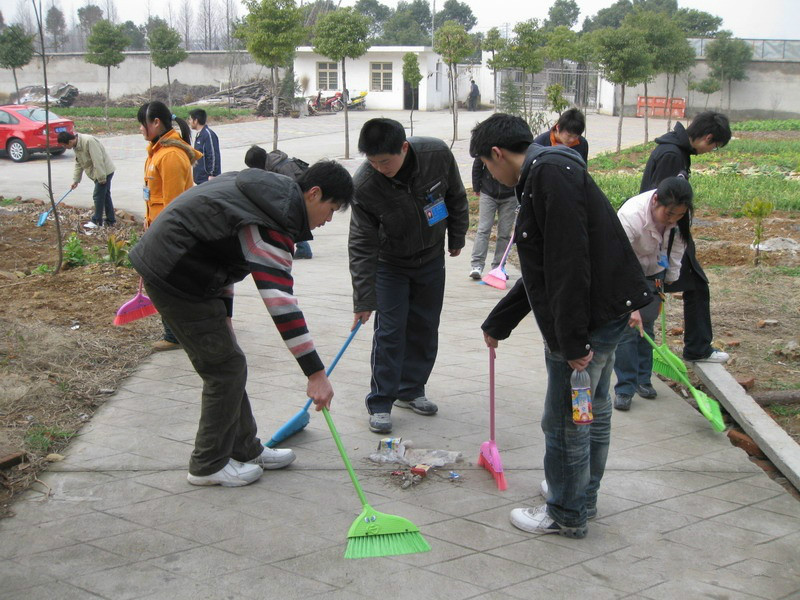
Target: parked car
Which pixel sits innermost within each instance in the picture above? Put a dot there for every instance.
(22, 131)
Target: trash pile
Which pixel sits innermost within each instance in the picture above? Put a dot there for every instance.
(256, 95)
(58, 94)
(421, 461)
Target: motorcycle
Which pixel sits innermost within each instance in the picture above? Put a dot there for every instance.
(319, 104)
(359, 102)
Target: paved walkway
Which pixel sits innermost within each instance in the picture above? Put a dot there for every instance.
(682, 513)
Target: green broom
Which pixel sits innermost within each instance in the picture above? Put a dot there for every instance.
(666, 362)
(373, 533)
(709, 407)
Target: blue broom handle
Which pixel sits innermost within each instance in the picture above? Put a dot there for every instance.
(337, 357)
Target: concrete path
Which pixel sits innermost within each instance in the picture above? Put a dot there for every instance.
(682, 513)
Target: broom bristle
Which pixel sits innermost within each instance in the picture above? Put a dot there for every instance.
(125, 316)
(391, 544)
(499, 476)
(494, 281)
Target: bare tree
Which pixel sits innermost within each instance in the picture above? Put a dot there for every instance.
(111, 10)
(24, 17)
(208, 23)
(185, 22)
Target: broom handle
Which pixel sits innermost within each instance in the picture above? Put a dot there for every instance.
(346, 460)
(511, 239)
(337, 357)
(491, 393)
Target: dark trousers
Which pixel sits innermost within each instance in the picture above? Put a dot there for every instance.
(103, 203)
(697, 335)
(227, 427)
(406, 338)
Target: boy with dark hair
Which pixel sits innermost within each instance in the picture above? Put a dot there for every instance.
(408, 198)
(91, 158)
(581, 279)
(204, 241)
(672, 156)
(568, 131)
(207, 142)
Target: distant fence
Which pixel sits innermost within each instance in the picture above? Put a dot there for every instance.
(660, 106)
(783, 50)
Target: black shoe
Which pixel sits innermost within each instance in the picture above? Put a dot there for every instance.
(421, 406)
(622, 402)
(647, 391)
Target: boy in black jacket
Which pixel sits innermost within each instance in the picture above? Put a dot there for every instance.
(582, 281)
(672, 156)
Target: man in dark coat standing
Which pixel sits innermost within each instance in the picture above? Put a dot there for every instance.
(672, 156)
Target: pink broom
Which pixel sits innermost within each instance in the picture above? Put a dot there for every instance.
(497, 277)
(138, 307)
(489, 457)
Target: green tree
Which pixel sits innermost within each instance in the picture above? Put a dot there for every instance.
(494, 43)
(88, 17)
(611, 16)
(56, 26)
(562, 13)
(402, 29)
(561, 45)
(420, 11)
(16, 50)
(412, 75)
(166, 52)
(454, 44)
(728, 58)
(105, 45)
(707, 86)
(622, 54)
(136, 35)
(271, 31)
(679, 59)
(340, 35)
(697, 23)
(378, 13)
(460, 12)
(526, 52)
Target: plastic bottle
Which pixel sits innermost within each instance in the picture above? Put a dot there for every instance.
(581, 397)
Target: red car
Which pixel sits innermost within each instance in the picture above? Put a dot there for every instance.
(22, 131)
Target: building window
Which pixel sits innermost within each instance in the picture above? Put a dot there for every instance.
(380, 76)
(327, 76)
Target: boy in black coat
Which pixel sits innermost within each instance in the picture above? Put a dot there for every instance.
(584, 285)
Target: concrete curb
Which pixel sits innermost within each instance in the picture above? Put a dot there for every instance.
(773, 441)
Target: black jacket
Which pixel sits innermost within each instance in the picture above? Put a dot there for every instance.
(672, 156)
(578, 268)
(482, 181)
(192, 249)
(582, 148)
(387, 221)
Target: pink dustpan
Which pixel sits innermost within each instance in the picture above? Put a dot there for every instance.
(489, 457)
(497, 277)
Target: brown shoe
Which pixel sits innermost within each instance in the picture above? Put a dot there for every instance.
(162, 345)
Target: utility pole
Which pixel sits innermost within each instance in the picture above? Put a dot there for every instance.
(433, 21)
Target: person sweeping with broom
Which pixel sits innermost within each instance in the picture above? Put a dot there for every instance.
(207, 239)
(581, 279)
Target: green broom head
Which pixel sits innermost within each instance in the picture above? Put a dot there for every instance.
(669, 368)
(709, 408)
(375, 534)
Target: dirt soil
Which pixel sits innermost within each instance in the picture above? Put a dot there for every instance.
(61, 355)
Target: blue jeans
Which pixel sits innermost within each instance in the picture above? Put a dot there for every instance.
(634, 363)
(102, 202)
(575, 455)
(406, 338)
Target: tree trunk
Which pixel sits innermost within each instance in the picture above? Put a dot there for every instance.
(621, 112)
(494, 81)
(646, 118)
(346, 117)
(169, 90)
(669, 105)
(730, 83)
(16, 85)
(411, 116)
(108, 89)
(454, 103)
(275, 107)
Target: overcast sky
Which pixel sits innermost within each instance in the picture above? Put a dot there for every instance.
(770, 19)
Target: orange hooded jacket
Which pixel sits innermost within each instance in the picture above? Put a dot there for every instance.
(167, 171)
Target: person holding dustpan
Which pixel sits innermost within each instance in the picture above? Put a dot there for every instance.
(581, 280)
(203, 242)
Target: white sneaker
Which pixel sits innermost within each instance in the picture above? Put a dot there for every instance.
(234, 474)
(536, 520)
(544, 489)
(90, 225)
(273, 458)
(716, 356)
(476, 273)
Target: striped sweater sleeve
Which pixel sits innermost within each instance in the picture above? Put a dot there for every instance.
(269, 257)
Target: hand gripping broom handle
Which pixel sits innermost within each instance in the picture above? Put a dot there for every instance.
(337, 357)
(491, 393)
(346, 460)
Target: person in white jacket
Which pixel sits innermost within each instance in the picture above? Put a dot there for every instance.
(655, 223)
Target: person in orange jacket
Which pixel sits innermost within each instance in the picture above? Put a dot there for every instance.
(167, 171)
